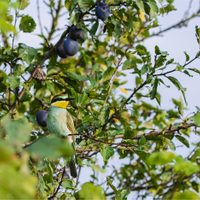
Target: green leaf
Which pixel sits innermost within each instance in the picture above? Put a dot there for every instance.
(106, 152)
(183, 140)
(76, 76)
(160, 158)
(23, 4)
(107, 75)
(196, 118)
(79, 162)
(129, 64)
(94, 27)
(142, 154)
(90, 191)
(197, 29)
(109, 182)
(140, 4)
(124, 194)
(18, 70)
(170, 143)
(154, 89)
(195, 70)
(52, 147)
(27, 24)
(166, 9)
(41, 186)
(27, 53)
(142, 140)
(141, 50)
(118, 28)
(186, 194)
(17, 131)
(179, 67)
(154, 8)
(187, 56)
(5, 26)
(185, 166)
(157, 50)
(13, 81)
(68, 184)
(85, 3)
(16, 184)
(170, 61)
(144, 69)
(178, 85)
(130, 23)
(84, 98)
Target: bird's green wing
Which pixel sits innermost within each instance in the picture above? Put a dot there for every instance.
(70, 124)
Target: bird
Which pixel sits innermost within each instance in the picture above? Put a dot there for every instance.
(60, 122)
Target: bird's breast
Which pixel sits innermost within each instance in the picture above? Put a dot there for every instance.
(56, 121)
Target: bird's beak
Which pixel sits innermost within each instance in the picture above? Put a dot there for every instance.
(69, 99)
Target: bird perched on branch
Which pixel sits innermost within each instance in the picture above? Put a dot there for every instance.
(60, 122)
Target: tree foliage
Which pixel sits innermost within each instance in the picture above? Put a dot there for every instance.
(127, 126)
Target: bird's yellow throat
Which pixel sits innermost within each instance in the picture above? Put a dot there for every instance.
(60, 104)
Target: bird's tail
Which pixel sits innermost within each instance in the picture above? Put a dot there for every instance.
(72, 167)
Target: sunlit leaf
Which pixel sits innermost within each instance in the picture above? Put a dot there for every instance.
(27, 24)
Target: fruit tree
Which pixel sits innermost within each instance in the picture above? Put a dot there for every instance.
(88, 57)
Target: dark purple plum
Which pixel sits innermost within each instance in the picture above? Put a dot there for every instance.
(76, 33)
(71, 46)
(41, 117)
(102, 10)
(61, 51)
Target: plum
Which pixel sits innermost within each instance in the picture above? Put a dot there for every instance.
(102, 10)
(41, 117)
(76, 33)
(71, 46)
(61, 51)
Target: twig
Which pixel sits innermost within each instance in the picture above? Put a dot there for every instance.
(173, 70)
(42, 103)
(4, 103)
(57, 189)
(39, 19)
(55, 20)
(36, 68)
(113, 78)
(177, 25)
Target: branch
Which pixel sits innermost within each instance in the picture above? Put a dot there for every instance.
(177, 25)
(113, 78)
(57, 189)
(4, 103)
(55, 20)
(16, 103)
(42, 102)
(171, 130)
(173, 70)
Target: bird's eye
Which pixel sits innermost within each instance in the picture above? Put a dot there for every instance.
(104, 7)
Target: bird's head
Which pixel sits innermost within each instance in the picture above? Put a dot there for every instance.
(61, 100)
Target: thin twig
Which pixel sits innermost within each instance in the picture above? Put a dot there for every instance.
(39, 19)
(57, 189)
(177, 25)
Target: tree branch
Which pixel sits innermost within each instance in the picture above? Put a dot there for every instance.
(177, 25)
(57, 189)
(16, 103)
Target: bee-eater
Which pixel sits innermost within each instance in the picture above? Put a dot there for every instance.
(60, 122)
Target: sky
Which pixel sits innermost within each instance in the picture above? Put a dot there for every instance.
(175, 42)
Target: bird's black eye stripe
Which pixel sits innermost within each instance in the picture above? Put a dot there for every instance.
(61, 99)
(58, 99)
